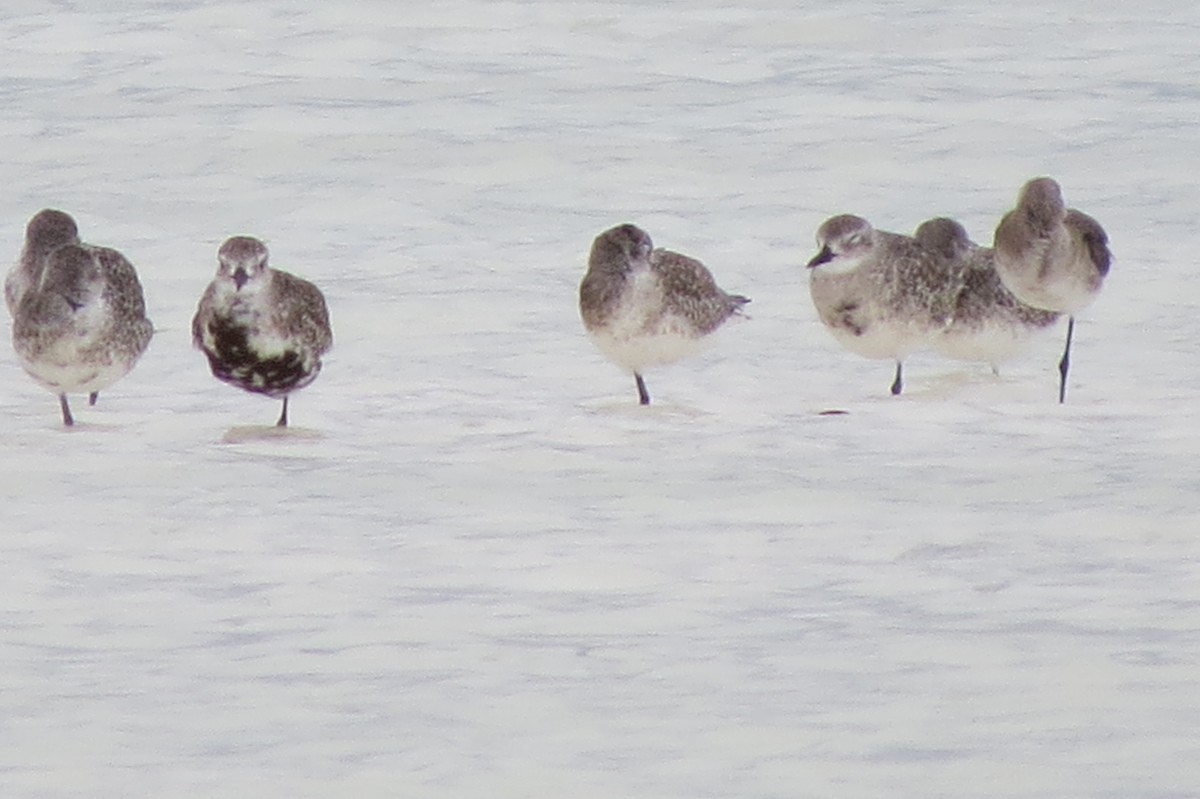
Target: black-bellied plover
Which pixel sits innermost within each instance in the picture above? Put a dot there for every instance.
(1051, 257)
(82, 325)
(263, 330)
(645, 307)
(989, 324)
(881, 295)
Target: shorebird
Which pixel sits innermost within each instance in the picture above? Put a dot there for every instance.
(881, 294)
(646, 307)
(263, 330)
(989, 324)
(79, 323)
(1051, 257)
(48, 230)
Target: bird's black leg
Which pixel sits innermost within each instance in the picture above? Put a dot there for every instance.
(283, 416)
(1065, 364)
(68, 419)
(95, 395)
(898, 383)
(643, 394)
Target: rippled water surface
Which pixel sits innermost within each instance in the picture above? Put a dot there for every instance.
(475, 568)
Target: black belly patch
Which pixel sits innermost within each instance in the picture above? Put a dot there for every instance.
(234, 361)
(845, 318)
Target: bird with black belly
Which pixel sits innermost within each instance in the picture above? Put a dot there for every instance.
(264, 330)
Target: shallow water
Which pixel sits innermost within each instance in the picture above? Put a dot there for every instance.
(475, 567)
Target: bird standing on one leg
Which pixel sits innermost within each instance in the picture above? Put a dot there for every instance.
(989, 324)
(881, 294)
(263, 330)
(646, 307)
(1052, 257)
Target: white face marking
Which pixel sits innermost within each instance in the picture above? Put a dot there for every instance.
(846, 254)
(845, 242)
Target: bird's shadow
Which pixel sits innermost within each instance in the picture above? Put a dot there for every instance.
(247, 433)
(90, 427)
(631, 409)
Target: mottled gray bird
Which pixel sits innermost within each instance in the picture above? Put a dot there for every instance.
(81, 325)
(989, 324)
(263, 330)
(881, 294)
(646, 307)
(1051, 257)
(48, 230)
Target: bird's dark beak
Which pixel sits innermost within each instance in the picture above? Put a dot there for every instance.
(823, 257)
(240, 277)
